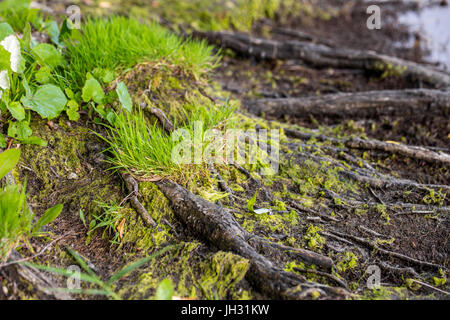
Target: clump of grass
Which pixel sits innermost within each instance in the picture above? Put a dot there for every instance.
(146, 150)
(118, 43)
(139, 148)
(17, 13)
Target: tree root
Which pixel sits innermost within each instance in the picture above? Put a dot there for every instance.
(218, 227)
(393, 254)
(408, 151)
(370, 104)
(133, 188)
(317, 55)
(160, 115)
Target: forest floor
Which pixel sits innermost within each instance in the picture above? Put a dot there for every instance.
(338, 213)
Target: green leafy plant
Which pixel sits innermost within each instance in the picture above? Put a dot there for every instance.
(108, 220)
(16, 219)
(27, 83)
(103, 288)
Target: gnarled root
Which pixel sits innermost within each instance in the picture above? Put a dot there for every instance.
(218, 227)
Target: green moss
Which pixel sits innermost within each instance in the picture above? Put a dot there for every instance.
(313, 239)
(347, 261)
(217, 277)
(221, 275)
(61, 172)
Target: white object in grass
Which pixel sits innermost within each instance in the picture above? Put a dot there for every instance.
(12, 45)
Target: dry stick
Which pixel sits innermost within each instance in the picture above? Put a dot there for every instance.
(133, 188)
(387, 252)
(322, 56)
(36, 255)
(218, 227)
(370, 104)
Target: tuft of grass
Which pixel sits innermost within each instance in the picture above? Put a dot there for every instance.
(118, 43)
(139, 148)
(146, 150)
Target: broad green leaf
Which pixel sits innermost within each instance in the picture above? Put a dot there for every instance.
(17, 110)
(92, 90)
(49, 215)
(49, 101)
(124, 96)
(8, 159)
(108, 76)
(69, 93)
(19, 130)
(164, 290)
(34, 140)
(48, 55)
(53, 31)
(5, 30)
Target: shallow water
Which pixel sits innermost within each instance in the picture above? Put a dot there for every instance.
(433, 24)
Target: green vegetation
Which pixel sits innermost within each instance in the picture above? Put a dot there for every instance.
(16, 219)
(102, 288)
(119, 43)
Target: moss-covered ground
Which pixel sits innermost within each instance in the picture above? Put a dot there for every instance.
(311, 202)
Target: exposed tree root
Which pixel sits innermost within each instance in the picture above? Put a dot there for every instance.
(397, 255)
(409, 151)
(133, 188)
(317, 55)
(217, 226)
(370, 104)
(160, 115)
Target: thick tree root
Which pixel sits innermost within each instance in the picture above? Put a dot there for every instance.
(370, 104)
(218, 227)
(317, 55)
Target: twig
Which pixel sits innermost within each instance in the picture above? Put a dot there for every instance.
(133, 188)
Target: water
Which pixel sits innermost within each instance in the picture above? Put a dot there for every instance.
(433, 24)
